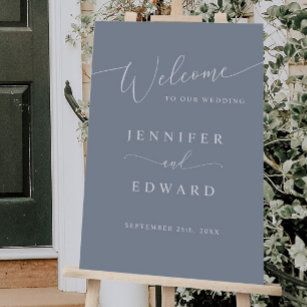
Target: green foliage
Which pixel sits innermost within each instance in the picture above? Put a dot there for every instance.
(285, 155)
(285, 141)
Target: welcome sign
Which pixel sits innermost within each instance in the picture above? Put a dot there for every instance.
(174, 172)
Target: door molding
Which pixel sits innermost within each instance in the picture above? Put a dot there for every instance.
(28, 253)
(67, 153)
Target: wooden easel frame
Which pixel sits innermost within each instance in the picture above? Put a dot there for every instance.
(243, 291)
(94, 278)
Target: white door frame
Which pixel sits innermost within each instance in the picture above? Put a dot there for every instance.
(67, 156)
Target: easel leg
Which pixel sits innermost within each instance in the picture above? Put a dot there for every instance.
(152, 296)
(92, 293)
(168, 296)
(243, 300)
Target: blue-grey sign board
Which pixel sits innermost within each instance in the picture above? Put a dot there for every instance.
(174, 171)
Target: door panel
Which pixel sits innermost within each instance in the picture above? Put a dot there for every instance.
(16, 54)
(14, 140)
(25, 181)
(13, 13)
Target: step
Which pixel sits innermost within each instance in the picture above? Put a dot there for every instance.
(40, 297)
(33, 273)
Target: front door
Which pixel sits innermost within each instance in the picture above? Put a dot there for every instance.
(25, 181)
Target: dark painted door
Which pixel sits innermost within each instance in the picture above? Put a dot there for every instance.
(25, 181)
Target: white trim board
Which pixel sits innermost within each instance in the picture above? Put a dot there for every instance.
(67, 158)
(27, 253)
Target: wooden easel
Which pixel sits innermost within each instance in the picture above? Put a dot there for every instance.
(94, 278)
(243, 291)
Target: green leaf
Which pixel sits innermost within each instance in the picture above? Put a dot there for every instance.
(289, 49)
(279, 60)
(304, 42)
(273, 11)
(276, 86)
(294, 6)
(286, 211)
(288, 186)
(291, 79)
(304, 26)
(204, 8)
(287, 166)
(304, 96)
(300, 183)
(304, 80)
(268, 191)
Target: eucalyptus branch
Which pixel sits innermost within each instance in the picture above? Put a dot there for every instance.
(272, 163)
(282, 275)
(274, 185)
(277, 141)
(299, 301)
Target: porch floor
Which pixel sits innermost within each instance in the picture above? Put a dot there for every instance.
(40, 297)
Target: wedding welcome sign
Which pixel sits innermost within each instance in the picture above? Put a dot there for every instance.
(174, 171)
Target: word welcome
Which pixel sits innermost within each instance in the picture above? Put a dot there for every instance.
(175, 77)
